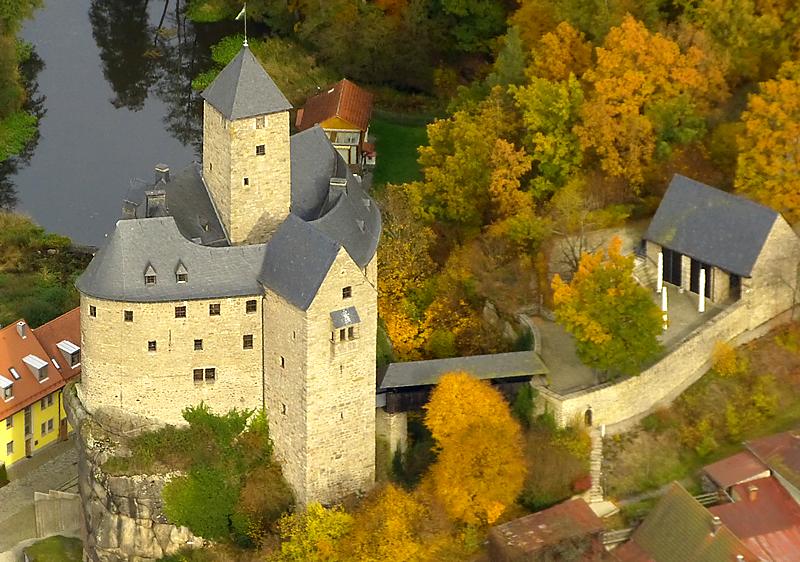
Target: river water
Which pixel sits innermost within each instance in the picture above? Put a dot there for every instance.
(115, 97)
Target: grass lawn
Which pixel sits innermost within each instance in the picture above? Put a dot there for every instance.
(396, 144)
(56, 549)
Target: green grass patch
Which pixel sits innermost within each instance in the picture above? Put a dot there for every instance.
(56, 549)
(396, 145)
(16, 131)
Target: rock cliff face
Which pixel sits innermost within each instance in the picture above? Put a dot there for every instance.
(123, 515)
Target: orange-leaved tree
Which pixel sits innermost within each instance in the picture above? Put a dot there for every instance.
(768, 166)
(480, 467)
(614, 320)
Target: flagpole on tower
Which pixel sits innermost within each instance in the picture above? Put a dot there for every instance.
(243, 14)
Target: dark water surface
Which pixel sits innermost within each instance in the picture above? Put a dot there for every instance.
(117, 99)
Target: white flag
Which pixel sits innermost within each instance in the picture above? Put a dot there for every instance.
(241, 14)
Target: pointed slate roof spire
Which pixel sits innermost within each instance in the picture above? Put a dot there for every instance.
(244, 89)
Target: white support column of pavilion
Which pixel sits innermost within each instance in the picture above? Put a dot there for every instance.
(664, 315)
(660, 277)
(701, 303)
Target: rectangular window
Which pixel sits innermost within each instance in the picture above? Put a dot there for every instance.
(247, 341)
(8, 393)
(197, 375)
(342, 334)
(151, 345)
(347, 292)
(10, 422)
(261, 150)
(149, 279)
(75, 358)
(44, 429)
(351, 333)
(251, 306)
(50, 425)
(198, 345)
(10, 448)
(246, 181)
(213, 309)
(261, 121)
(46, 402)
(283, 362)
(92, 311)
(283, 409)
(128, 315)
(211, 374)
(180, 312)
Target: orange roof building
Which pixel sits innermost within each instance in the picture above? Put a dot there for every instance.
(34, 367)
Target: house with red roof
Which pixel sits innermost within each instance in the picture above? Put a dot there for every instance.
(343, 110)
(35, 365)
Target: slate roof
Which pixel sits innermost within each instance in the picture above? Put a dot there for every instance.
(679, 529)
(117, 271)
(523, 538)
(781, 453)
(244, 89)
(711, 226)
(740, 467)
(344, 100)
(496, 366)
(769, 523)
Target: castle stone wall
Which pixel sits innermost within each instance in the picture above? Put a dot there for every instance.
(119, 373)
(217, 162)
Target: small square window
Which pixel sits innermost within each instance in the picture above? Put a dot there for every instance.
(149, 279)
(180, 312)
(128, 315)
(92, 311)
(9, 422)
(247, 341)
(197, 374)
(182, 277)
(261, 150)
(213, 309)
(347, 292)
(211, 374)
(246, 181)
(10, 448)
(283, 362)
(251, 306)
(261, 121)
(198, 345)
(151, 345)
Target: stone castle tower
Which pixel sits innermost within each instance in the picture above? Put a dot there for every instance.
(247, 281)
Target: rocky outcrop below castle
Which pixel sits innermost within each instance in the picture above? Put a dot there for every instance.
(123, 515)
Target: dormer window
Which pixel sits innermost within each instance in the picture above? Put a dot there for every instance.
(181, 273)
(345, 324)
(7, 387)
(37, 366)
(71, 352)
(149, 275)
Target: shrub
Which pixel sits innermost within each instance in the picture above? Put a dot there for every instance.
(523, 405)
(203, 501)
(553, 469)
(726, 361)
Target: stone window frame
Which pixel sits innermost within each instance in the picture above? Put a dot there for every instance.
(210, 375)
(152, 346)
(347, 292)
(261, 150)
(247, 341)
(180, 311)
(127, 315)
(251, 306)
(198, 345)
(197, 376)
(261, 122)
(92, 311)
(214, 309)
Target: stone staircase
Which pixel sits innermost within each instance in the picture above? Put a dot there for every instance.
(595, 493)
(645, 272)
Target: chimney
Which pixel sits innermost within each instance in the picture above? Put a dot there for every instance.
(752, 492)
(155, 203)
(717, 523)
(740, 557)
(162, 173)
(21, 329)
(129, 209)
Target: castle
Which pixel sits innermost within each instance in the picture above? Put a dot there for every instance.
(247, 282)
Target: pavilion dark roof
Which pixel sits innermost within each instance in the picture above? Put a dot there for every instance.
(711, 226)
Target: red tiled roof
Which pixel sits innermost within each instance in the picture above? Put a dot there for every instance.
(741, 467)
(65, 327)
(781, 453)
(631, 552)
(27, 389)
(546, 528)
(344, 100)
(769, 523)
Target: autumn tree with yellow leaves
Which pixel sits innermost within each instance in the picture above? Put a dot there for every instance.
(480, 467)
(768, 166)
(614, 320)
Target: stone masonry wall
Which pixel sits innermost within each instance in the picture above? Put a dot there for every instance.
(120, 374)
(123, 518)
(249, 213)
(321, 393)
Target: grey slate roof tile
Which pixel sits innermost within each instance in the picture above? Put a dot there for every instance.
(345, 317)
(244, 89)
(711, 226)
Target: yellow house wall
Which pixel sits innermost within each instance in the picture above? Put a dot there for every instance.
(16, 434)
(39, 440)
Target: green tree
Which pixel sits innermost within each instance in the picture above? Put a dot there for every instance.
(614, 320)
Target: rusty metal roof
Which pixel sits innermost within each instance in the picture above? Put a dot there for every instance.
(741, 467)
